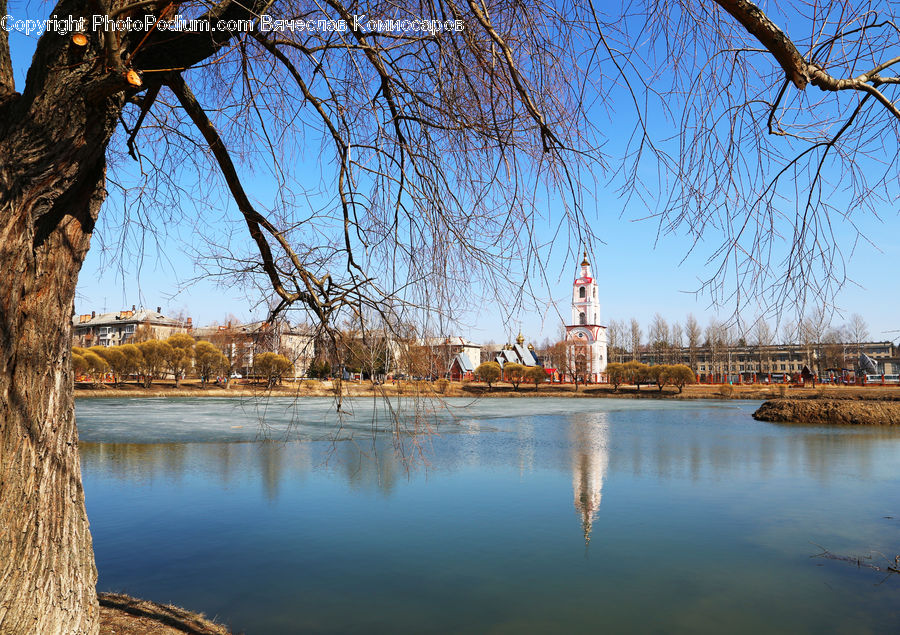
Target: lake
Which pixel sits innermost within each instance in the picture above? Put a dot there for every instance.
(503, 516)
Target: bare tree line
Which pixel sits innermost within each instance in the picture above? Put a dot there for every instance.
(825, 345)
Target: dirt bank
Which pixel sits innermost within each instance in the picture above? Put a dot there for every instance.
(834, 411)
(124, 615)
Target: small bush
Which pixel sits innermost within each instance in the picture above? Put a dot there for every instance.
(726, 391)
(442, 386)
(781, 390)
(312, 384)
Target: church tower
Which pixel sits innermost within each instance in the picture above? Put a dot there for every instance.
(586, 350)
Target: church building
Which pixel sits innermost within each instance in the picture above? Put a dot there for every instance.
(586, 354)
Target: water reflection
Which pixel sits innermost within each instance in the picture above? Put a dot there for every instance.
(590, 462)
(368, 535)
(579, 444)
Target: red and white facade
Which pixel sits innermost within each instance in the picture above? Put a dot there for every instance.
(586, 349)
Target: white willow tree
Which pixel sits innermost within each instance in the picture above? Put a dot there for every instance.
(431, 157)
(429, 145)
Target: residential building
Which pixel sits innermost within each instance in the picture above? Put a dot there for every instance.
(113, 329)
(744, 362)
(241, 343)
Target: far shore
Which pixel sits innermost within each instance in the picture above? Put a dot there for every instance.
(316, 388)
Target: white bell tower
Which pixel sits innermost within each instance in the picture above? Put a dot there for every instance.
(585, 304)
(586, 349)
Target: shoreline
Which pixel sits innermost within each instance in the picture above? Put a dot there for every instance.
(313, 388)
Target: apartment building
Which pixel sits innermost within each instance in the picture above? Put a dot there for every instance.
(113, 329)
(241, 343)
(742, 362)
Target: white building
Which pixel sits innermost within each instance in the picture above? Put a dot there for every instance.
(586, 354)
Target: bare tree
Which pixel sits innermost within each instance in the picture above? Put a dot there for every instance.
(658, 337)
(635, 340)
(859, 333)
(715, 345)
(786, 134)
(615, 334)
(422, 135)
(694, 335)
(790, 332)
(677, 341)
(429, 138)
(833, 349)
(762, 340)
(811, 330)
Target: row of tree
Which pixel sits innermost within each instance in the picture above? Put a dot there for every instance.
(178, 356)
(634, 373)
(829, 346)
(515, 374)
(639, 374)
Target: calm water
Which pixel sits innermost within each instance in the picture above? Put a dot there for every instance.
(511, 516)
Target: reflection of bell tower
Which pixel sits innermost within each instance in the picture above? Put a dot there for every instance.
(590, 462)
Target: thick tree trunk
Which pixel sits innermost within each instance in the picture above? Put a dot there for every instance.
(53, 140)
(47, 572)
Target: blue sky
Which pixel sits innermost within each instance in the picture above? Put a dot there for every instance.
(639, 273)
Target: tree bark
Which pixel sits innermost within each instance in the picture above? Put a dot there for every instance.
(53, 139)
(47, 571)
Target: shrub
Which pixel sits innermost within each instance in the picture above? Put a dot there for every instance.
(659, 374)
(514, 374)
(637, 373)
(538, 375)
(679, 375)
(726, 391)
(616, 374)
(488, 372)
(442, 386)
(272, 367)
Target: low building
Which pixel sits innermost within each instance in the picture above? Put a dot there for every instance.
(461, 368)
(517, 353)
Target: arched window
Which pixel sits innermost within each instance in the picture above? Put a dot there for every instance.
(581, 318)
(581, 292)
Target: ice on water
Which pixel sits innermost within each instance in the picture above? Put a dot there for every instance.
(168, 420)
